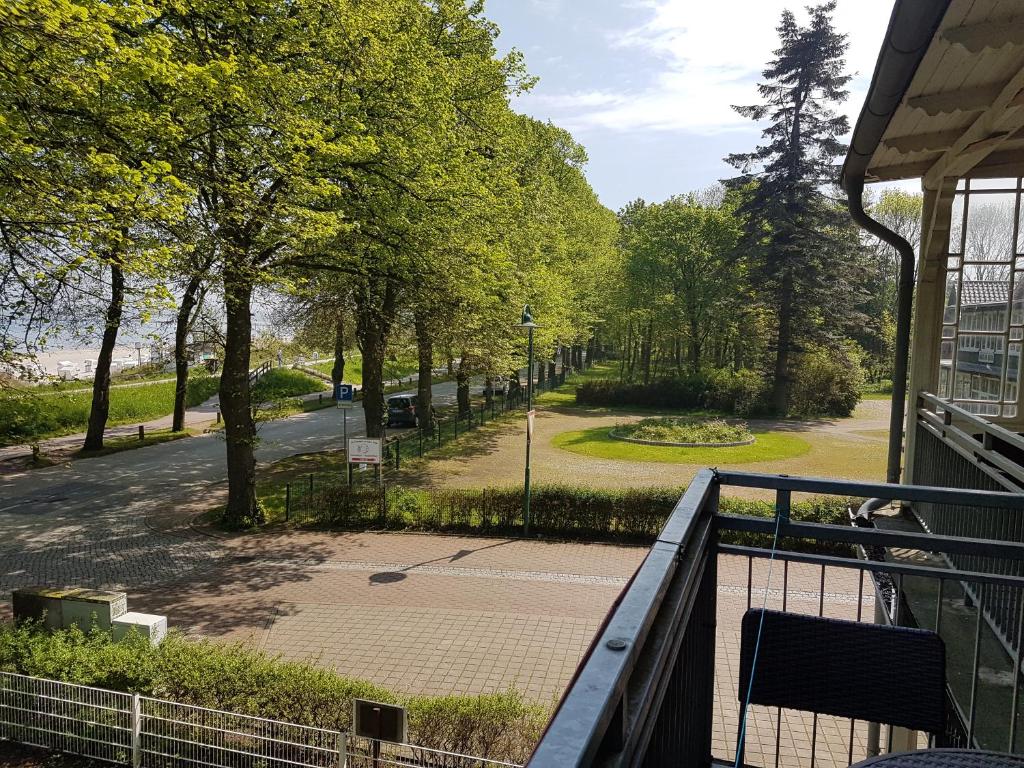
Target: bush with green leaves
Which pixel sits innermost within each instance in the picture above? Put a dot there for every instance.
(826, 382)
(634, 515)
(685, 429)
(239, 679)
(283, 383)
(717, 389)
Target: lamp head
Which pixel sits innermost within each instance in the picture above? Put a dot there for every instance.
(527, 321)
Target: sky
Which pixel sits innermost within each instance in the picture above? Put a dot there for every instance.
(647, 85)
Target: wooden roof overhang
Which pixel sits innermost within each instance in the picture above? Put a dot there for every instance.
(947, 95)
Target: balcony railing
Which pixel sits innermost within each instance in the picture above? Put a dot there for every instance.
(659, 684)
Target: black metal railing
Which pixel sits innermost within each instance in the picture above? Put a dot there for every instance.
(658, 685)
(957, 449)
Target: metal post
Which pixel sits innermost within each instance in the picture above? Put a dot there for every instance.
(136, 724)
(398, 454)
(341, 747)
(310, 482)
(344, 428)
(142, 432)
(529, 407)
(287, 501)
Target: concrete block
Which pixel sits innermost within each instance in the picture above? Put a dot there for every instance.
(84, 606)
(146, 624)
(39, 604)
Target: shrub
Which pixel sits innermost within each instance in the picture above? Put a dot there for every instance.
(719, 389)
(684, 429)
(563, 512)
(238, 679)
(826, 382)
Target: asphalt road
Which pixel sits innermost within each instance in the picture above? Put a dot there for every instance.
(84, 522)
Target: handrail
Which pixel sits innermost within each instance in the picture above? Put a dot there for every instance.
(612, 708)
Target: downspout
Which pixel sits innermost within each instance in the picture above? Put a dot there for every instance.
(854, 187)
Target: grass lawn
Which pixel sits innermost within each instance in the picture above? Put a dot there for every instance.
(401, 368)
(596, 442)
(29, 416)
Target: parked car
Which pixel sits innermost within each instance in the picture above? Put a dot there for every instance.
(402, 411)
(498, 387)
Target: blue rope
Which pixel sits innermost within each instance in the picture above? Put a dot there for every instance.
(757, 645)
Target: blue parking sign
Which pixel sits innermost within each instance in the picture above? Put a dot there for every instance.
(344, 393)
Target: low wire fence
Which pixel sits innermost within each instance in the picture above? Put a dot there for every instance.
(416, 443)
(154, 733)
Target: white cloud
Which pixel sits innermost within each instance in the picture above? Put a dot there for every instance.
(707, 57)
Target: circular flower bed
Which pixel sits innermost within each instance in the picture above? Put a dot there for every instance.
(685, 431)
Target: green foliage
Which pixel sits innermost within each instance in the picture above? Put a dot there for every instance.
(826, 382)
(597, 442)
(557, 511)
(715, 389)
(27, 415)
(281, 383)
(685, 429)
(239, 679)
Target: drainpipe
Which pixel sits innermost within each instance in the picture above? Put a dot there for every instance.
(854, 187)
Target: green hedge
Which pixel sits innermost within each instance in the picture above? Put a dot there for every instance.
(564, 512)
(739, 392)
(242, 680)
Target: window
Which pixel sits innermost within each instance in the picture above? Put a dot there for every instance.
(983, 314)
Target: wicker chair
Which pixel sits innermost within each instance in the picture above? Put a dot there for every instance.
(871, 672)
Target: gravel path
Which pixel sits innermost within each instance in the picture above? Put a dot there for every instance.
(852, 448)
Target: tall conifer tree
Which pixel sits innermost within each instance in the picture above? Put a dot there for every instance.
(797, 235)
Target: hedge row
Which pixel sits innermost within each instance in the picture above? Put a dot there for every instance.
(739, 392)
(564, 512)
(238, 679)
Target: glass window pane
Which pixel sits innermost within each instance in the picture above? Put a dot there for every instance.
(1017, 333)
(985, 297)
(952, 263)
(956, 223)
(948, 331)
(980, 357)
(993, 184)
(1017, 315)
(1012, 373)
(949, 313)
(990, 228)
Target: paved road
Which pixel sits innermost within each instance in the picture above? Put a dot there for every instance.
(85, 522)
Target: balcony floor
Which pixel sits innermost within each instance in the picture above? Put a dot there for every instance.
(803, 595)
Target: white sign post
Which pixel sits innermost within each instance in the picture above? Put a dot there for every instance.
(365, 450)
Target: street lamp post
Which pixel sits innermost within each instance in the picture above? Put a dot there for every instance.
(529, 325)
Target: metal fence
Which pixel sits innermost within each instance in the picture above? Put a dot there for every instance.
(957, 449)
(154, 733)
(647, 687)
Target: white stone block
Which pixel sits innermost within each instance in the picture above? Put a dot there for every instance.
(146, 624)
(86, 606)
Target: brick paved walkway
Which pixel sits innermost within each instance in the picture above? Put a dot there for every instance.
(416, 613)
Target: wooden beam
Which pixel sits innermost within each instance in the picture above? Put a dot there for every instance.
(990, 34)
(921, 142)
(899, 171)
(966, 100)
(1003, 118)
(1008, 163)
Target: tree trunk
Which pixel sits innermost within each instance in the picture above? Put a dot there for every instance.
(424, 384)
(646, 352)
(781, 384)
(235, 401)
(541, 371)
(551, 372)
(462, 387)
(694, 356)
(101, 379)
(373, 324)
(181, 326)
(338, 369)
